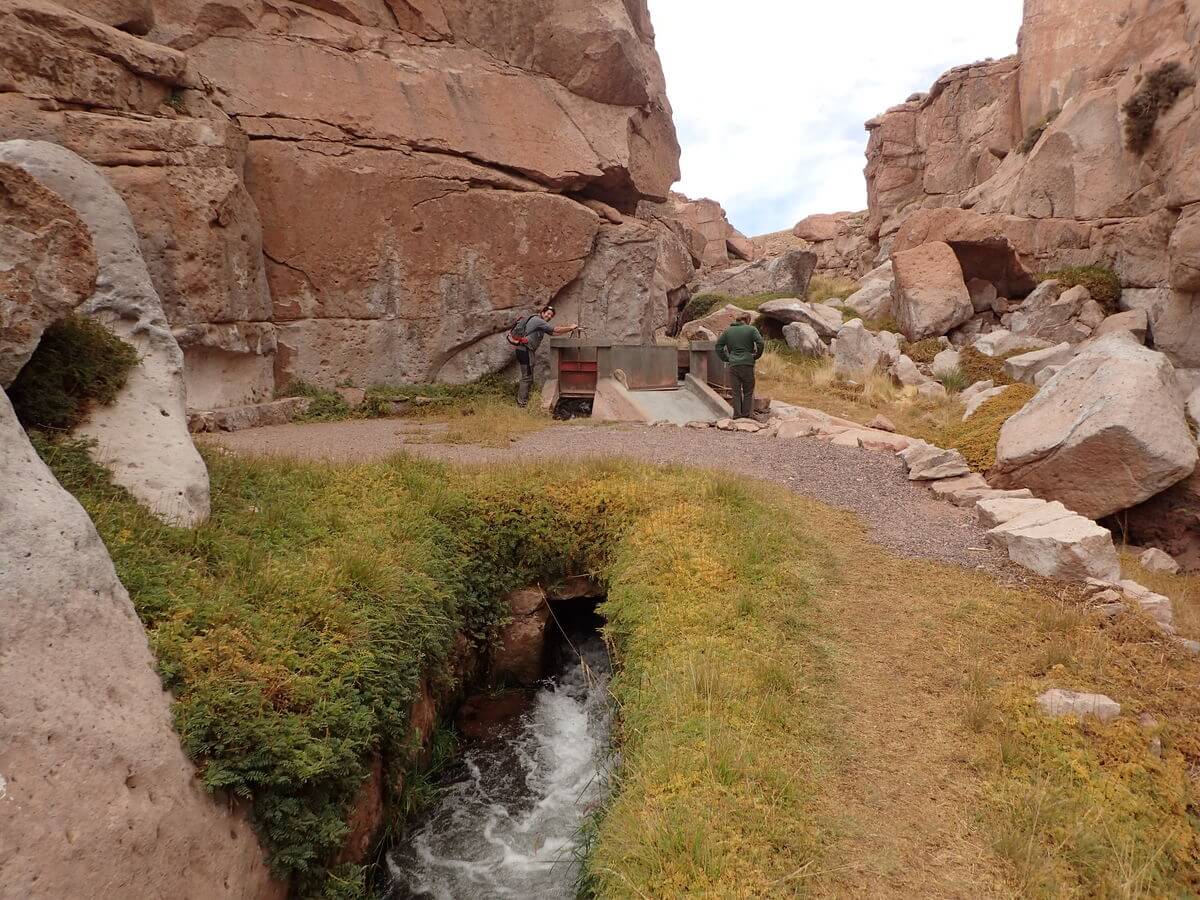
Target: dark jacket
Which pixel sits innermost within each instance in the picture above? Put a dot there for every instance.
(741, 345)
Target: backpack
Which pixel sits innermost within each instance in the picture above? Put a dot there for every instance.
(516, 334)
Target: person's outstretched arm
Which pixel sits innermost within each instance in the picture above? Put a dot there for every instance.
(564, 329)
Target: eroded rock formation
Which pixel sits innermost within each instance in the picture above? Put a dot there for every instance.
(95, 788)
(1036, 146)
(367, 190)
(143, 435)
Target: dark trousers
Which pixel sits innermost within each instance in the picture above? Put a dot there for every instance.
(743, 391)
(525, 361)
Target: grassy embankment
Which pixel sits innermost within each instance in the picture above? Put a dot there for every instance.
(483, 412)
(786, 689)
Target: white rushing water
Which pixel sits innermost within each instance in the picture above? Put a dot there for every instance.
(509, 824)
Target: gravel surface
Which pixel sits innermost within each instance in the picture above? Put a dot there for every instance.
(902, 516)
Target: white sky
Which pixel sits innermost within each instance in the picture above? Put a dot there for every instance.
(770, 96)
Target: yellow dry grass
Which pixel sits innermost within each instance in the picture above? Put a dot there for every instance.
(1183, 589)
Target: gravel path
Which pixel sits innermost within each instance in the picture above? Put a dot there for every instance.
(902, 516)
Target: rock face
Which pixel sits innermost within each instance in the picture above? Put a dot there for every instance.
(96, 789)
(47, 266)
(930, 296)
(787, 274)
(704, 229)
(1033, 149)
(839, 240)
(475, 156)
(143, 435)
(1106, 433)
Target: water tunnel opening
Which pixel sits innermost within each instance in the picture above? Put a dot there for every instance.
(533, 766)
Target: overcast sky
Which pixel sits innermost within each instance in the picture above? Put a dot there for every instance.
(770, 96)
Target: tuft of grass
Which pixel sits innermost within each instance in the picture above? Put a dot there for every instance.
(78, 364)
(823, 288)
(326, 405)
(1103, 284)
(977, 437)
(1157, 93)
(955, 381)
(1183, 589)
(1035, 132)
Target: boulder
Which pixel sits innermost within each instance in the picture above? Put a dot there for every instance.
(803, 338)
(1058, 703)
(825, 320)
(905, 371)
(1003, 342)
(1027, 366)
(95, 787)
(946, 363)
(1155, 560)
(932, 390)
(926, 462)
(786, 274)
(983, 294)
(1042, 378)
(1133, 321)
(993, 511)
(873, 299)
(1057, 543)
(819, 227)
(47, 266)
(977, 388)
(882, 423)
(1108, 432)
(143, 435)
(714, 323)
(1156, 606)
(857, 352)
(930, 297)
(1053, 314)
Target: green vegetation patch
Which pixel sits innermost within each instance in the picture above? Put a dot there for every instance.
(823, 288)
(78, 364)
(924, 351)
(1156, 93)
(978, 366)
(294, 629)
(977, 437)
(1103, 284)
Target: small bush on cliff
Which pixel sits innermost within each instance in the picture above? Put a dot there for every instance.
(1103, 284)
(1157, 93)
(1035, 132)
(78, 364)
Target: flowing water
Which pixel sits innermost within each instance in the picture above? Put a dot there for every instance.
(508, 823)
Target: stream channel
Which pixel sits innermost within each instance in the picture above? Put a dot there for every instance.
(508, 818)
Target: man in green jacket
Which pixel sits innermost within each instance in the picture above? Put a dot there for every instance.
(740, 347)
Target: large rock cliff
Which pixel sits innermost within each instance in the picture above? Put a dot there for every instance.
(1038, 144)
(362, 190)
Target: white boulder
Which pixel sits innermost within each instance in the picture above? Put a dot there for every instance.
(142, 437)
(1155, 560)
(1027, 366)
(857, 352)
(1061, 704)
(1108, 432)
(930, 297)
(873, 299)
(803, 338)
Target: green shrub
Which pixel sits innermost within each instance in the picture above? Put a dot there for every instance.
(924, 351)
(1103, 284)
(1035, 132)
(701, 305)
(1156, 94)
(79, 363)
(977, 437)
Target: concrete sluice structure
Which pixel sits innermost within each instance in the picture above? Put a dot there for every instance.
(644, 384)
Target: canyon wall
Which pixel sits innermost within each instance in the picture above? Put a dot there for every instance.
(1037, 144)
(364, 190)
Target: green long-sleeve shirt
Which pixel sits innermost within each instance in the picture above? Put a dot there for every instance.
(741, 345)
